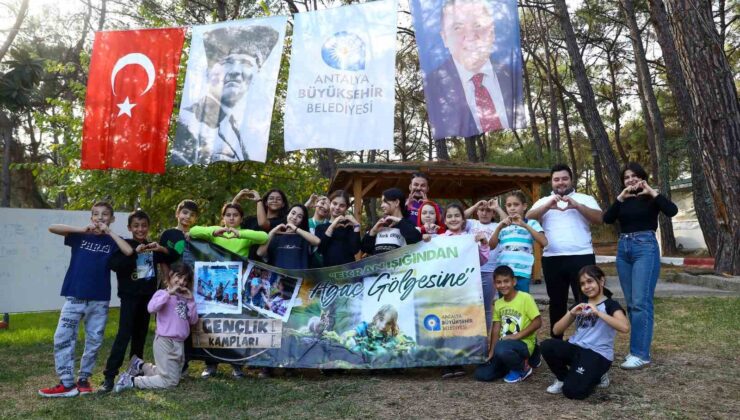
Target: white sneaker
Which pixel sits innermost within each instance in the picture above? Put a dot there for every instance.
(633, 363)
(604, 383)
(556, 387)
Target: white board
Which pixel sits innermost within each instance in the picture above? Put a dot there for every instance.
(33, 260)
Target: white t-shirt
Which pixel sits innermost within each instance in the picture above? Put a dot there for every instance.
(568, 232)
(473, 226)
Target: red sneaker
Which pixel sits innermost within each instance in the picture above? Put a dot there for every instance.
(59, 391)
(83, 386)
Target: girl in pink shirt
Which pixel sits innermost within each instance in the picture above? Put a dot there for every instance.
(454, 220)
(175, 309)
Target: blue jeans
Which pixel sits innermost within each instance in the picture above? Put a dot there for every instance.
(522, 284)
(638, 266)
(95, 314)
(508, 355)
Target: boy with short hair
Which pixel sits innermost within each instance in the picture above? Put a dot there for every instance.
(178, 249)
(86, 289)
(517, 318)
(137, 282)
(174, 239)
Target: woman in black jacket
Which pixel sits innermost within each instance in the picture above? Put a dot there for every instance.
(638, 256)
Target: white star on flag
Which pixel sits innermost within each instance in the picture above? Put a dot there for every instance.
(125, 107)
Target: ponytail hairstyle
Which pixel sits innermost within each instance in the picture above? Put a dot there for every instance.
(596, 273)
(393, 194)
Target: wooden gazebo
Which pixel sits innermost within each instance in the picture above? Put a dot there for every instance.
(464, 181)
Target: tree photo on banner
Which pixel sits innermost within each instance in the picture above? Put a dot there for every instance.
(229, 91)
(341, 84)
(470, 56)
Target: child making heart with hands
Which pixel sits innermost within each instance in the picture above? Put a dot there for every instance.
(581, 363)
(516, 237)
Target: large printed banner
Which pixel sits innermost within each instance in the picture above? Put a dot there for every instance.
(471, 61)
(421, 305)
(229, 91)
(341, 84)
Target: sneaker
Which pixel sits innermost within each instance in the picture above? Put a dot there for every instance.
(83, 386)
(59, 391)
(634, 363)
(556, 387)
(106, 386)
(135, 366)
(209, 371)
(604, 383)
(125, 381)
(237, 372)
(518, 375)
(452, 372)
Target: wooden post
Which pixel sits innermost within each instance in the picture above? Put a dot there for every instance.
(537, 267)
(357, 195)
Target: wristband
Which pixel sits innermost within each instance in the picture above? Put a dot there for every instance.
(356, 226)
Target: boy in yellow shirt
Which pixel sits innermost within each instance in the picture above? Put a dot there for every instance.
(517, 318)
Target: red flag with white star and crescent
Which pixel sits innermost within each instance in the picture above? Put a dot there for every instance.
(130, 96)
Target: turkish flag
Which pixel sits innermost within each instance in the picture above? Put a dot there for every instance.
(130, 95)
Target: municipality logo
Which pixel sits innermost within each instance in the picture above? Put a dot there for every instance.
(344, 51)
(432, 323)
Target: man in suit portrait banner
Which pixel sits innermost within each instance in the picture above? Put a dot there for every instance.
(470, 56)
(227, 101)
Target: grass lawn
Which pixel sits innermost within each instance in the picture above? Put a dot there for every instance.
(695, 375)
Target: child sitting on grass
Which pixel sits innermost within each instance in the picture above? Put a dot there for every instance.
(517, 318)
(175, 309)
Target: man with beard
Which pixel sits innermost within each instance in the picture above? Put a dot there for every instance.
(418, 189)
(565, 216)
(208, 130)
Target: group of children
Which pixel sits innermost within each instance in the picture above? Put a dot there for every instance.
(285, 236)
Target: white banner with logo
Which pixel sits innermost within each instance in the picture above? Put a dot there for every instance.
(341, 84)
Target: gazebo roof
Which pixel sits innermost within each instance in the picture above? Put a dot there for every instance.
(448, 180)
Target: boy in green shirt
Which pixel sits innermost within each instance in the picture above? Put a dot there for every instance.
(517, 318)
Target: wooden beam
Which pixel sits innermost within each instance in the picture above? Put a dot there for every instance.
(357, 195)
(369, 186)
(537, 267)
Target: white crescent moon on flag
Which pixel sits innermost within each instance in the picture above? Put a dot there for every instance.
(134, 58)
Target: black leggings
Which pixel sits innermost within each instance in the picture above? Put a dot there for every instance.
(561, 272)
(133, 326)
(580, 369)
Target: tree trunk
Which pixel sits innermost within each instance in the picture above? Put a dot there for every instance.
(703, 205)
(660, 159)
(470, 148)
(6, 133)
(327, 163)
(442, 152)
(616, 113)
(14, 30)
(568, 137)
(709, 81)
(551, 91)
(532, 115)
(592, 120)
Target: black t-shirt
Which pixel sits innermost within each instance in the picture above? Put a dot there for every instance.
(136, 274)
(288, 251)
(637, 214)
(251, 223)
(178, 247)
(341, 247)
